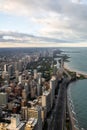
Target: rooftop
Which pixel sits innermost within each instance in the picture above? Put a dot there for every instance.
(32, 122)
(45, 93)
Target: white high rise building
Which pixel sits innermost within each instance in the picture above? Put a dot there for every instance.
(35, 74)
(20, 78)
(6, 67)
(39, 78)
(46, 100)
(52, 89)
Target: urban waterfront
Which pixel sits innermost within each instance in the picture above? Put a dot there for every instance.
(35, 81)
(78, 97)
(43, 65)
(33, 89)
(78, 90)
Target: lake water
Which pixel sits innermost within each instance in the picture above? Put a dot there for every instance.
(78, 90)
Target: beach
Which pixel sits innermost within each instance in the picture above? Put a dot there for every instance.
(72, 115)
(68, 68)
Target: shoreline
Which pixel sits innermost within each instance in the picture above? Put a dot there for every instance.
(72, 114)
(67, 67)
(73, 70)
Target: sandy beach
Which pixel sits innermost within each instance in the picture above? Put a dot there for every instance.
(67, 67)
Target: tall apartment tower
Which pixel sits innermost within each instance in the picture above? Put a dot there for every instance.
(39, 89)
(39, 78)
(24, 113)
(46, 100)
(0, 112)
(24, 94)
(6, 67)
(52, 89)
(35, 74)
(3, 98)
(20, 66)
(10, 70)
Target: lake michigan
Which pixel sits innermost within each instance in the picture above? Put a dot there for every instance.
(78, 89)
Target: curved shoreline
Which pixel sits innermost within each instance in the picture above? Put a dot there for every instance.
(72, 115)
(78, 73)
(66, 66)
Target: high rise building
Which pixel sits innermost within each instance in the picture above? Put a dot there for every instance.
(16, 66)
(17, 75)
(0, 112)
(43, 114)
(20, 66)
(20, 78)
(24, 113)
(24, 94)
(10, 70)
(35, 74)
(39, 89)
(39, 78)
(46, 100)
(5, 75)
(26, 87)
(3, 98)
(52, 89)
(33, 89)
(6, 67)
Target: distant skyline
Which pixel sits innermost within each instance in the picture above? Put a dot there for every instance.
(48, 23)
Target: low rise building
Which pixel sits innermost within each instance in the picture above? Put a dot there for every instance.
(32, 124)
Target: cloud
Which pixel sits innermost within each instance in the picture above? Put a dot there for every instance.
(15, 37)
(62, 21)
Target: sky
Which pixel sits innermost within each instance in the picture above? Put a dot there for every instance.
(47, 23)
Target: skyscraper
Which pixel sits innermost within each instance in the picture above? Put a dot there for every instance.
(52, 89)
(46, 100)
(35, 74)
(6, 67)
(3, 98)
(10, 70)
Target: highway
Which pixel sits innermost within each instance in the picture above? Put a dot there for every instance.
(58, 116)
(60, 108)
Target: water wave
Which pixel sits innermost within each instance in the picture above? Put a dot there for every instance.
(72, 110)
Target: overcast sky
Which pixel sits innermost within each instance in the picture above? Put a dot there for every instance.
(30, 23)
